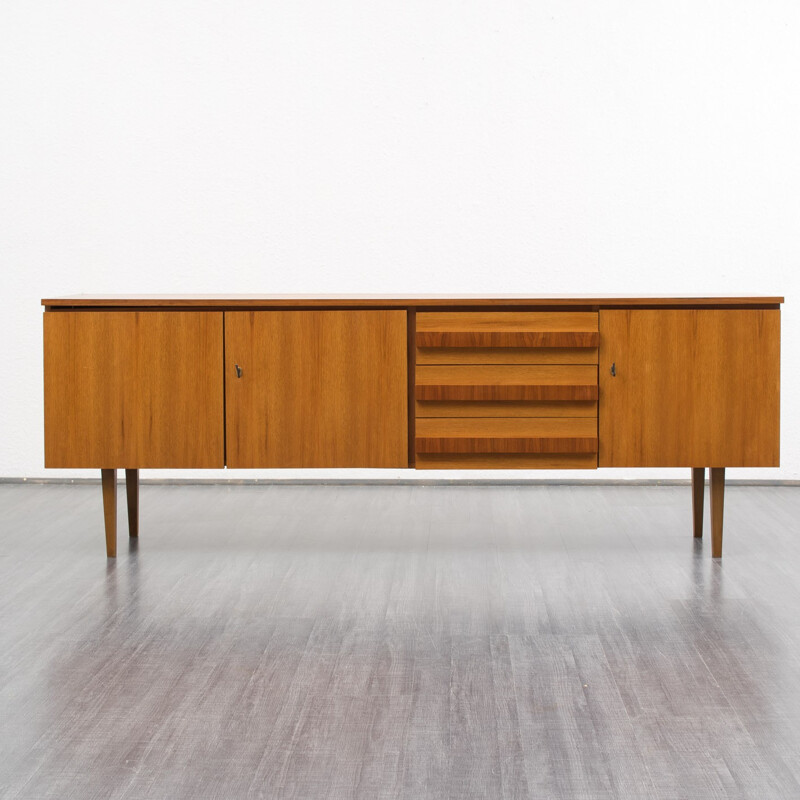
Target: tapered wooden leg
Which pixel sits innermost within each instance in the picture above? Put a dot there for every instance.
(108, 478)
(132, 490)
(698, 490)
(717, 502)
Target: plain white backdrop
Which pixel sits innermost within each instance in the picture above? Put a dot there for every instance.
(534, 147)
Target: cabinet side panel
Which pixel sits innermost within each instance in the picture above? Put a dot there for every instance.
(317, 389)
(692, 388)
(133, 389)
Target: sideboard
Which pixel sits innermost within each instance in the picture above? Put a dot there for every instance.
(426, 382)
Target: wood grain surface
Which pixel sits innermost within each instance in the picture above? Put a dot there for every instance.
(512, 329)
(698, 494)
(516, 435)
(318, 389)
(691, 387)
(447, 461)
(506, 355)
(717, 487)
(507, 339)
(500, 392)
(507, 382)
(506, 408)
(506, 390)
(132, 494)
(133, 389)
(506, 444)
(506, 321)
(523, 426)
(225, 301)
(108, 481)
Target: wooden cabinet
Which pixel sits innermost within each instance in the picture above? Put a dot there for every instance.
(316, 389)
(428, 382)
(689, 388)
(133, 389)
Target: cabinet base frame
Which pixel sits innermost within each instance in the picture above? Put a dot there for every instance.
(109, 486)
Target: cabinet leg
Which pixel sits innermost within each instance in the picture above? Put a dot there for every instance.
(717, 503)
(132, 490)
(108, 478)
(698, 489)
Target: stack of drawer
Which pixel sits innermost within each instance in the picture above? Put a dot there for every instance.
(506, 389)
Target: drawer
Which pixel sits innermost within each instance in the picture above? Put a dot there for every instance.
(507, 337)
(531, 435)
(501, 443)
(543, 383)
(506, 461)
(507, 408)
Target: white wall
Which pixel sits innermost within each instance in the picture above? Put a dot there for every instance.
(536, 147)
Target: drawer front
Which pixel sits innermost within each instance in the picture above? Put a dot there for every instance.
(507, 408)
(507, 337)
(558, 435)
(506, 461)
(504, 382)
(506, 443)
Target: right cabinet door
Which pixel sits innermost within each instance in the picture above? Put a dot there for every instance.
(689, 388)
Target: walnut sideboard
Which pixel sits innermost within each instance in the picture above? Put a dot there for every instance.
(427, 382)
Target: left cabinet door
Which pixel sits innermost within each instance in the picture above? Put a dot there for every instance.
(316, 389)
(133, 389)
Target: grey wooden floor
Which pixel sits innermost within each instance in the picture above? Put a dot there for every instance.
(408, 641)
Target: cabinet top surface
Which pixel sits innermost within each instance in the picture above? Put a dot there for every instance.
(398, 301)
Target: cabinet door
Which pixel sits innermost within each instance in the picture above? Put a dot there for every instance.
(693, 388)
(316, 389)
(133, 389)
